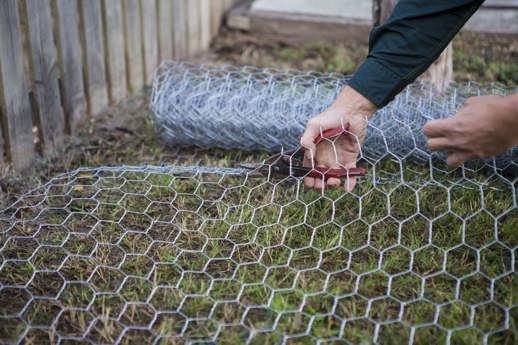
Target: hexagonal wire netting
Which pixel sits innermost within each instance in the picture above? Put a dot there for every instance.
(416, 253)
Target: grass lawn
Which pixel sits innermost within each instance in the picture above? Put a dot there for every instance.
(176, 255)
(219, 257)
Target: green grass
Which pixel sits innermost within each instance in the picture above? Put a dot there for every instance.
(485, 58)
(317, 55)
(212, 257)
(478, 57)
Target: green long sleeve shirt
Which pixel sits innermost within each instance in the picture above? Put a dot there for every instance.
(405, 46)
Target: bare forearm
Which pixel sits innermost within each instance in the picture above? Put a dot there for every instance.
(354, 103)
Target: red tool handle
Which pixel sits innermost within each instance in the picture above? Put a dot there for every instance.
(332, 133)
(329, 134)
(326, 173)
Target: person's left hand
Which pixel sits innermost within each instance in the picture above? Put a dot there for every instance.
(483, 127)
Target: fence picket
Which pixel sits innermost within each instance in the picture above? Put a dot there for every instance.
(205, 23)
(149, 39)
(69, 53)
(44, 80)
(133, 43)
(180, 29)
(165, 29)
(93, 56)
(193, 27)
(114, 50)
(15, 108)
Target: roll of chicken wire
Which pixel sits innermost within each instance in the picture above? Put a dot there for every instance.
(266, 109)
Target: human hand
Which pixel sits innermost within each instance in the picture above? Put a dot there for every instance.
(483, 127)
(340, 152)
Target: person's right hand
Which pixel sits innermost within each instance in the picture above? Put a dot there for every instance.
(341, 152)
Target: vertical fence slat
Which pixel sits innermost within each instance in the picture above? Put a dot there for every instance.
(44, 79)
(165, 29)
(93, 56)
(114, 50)
(205, 27)
(193, 26)
(180, 29)
(15, 108)
(150, 39)
(69, 52)
(133, 43)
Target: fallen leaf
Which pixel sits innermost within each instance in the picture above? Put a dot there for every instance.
(78, 188)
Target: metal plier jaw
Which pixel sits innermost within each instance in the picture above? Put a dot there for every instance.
(290, 163)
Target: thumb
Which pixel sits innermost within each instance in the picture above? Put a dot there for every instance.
(307, 141)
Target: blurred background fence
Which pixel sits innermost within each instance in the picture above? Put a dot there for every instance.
(62, 61)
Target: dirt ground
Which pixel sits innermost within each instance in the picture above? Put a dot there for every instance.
(124, 135)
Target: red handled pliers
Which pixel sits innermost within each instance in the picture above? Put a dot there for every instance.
(290, 163)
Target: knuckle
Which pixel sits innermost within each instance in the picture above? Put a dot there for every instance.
(312, 123)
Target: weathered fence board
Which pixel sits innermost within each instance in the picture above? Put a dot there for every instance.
(205, 23)
(69, 52)
(180, 29)
(15, 108)
(133, 43)
(165, 30)
(93, 56)
(114, 50)
(64, 60)
(44, 80)
(149, 39)
(193, 26)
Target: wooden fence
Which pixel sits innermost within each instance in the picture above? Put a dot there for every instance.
(64, 60)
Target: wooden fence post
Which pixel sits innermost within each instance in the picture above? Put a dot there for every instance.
(180, 29)
(149, 39)
(165, 30)
(133, 43)
(193, 26)
(114, 50)
(69, 52)
(381, 10)
(93, 56)
(441, 71)
(15, 108)
(44, 79)
(205, 23)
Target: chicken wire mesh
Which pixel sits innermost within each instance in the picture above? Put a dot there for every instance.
(193, 254)
(204, 255)
(250, 109)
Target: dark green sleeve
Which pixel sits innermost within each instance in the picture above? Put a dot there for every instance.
(407, 44)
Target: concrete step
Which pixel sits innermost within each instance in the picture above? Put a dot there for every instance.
(346, 19)
(352, 9)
